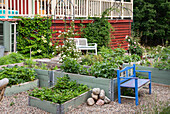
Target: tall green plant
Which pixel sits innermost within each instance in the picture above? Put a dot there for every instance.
(98, 31)
(35, 35)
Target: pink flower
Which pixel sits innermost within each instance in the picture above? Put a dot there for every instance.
(134, 47)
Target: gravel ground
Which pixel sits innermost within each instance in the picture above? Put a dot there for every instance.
(18, 104)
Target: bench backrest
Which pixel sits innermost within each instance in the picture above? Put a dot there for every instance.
(126, 72)
(80, 41)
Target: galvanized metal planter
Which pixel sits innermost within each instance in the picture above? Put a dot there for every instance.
(56, 108)
(21, 87)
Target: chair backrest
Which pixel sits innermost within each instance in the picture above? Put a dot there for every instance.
(128, 71)
(80, 42)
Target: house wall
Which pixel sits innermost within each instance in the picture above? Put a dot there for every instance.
(122, 28)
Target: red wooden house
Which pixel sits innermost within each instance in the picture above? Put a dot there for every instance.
(59, 9)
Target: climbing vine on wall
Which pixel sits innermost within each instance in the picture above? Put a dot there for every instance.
(35, 34)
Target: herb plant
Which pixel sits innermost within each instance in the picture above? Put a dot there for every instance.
(17, 75)
(11, 59)
(64, 90)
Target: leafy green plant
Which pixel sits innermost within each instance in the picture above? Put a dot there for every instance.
(91, 59)
(98, 31)
(135, 58)
(127, 59)
(64, 90)
(11, 59)
(17, 75)
(32, 64)
(70, 65)
(34, 34)
(103, 69)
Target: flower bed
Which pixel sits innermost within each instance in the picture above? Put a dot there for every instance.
(19, 79)
(60, 97)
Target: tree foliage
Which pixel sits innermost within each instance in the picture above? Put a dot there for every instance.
(151, 19)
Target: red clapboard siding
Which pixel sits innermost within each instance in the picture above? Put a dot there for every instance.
(121, 29)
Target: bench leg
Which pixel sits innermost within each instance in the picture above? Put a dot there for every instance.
(150, 88)
(119, 94)
(136, 92)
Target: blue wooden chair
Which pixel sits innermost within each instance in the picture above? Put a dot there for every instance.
(127, 78)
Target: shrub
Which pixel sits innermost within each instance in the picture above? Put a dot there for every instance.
(11, 59)
(103, 69)
(17, 75)
(134, 46)
(70, 65)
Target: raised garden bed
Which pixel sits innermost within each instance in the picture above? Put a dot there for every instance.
(10, 65)
(109, 85)
(56, 108)
(21, 87)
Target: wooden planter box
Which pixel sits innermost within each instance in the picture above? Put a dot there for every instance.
(21, 87)
(56, 108)
(109, 85)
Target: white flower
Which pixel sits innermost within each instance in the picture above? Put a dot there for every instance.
(45, 41)
(126, 37)
(43, 38)
(53, 53)
(134, 42)
(129, 40)
(72, 33)
(64, 32)
(50, 44)
(68, 30)
(59, 35)
(64, 55)
(56, 47)
(39, 51)
(128, 45)
(59, 31)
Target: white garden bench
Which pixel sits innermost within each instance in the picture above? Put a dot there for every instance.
(81, 44)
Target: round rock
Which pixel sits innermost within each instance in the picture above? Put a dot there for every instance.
(90, 101)
(95, 97)
(100, 102)
(102, 94)
(96, 91)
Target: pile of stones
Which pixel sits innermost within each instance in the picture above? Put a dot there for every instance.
(98, 97)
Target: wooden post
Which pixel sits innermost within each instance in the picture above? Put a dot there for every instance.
(15, 39)
(29, 7)
(132, 9)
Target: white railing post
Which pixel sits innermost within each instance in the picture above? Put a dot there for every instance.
(132, 9)
(87, 9)
(6, 9)
(100, 8)
(29, 8)
(122, 4)
(72, 5)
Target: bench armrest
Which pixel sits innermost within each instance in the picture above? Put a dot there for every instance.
(129, 77)
(93, 44)
(142, 71)
(149, 73)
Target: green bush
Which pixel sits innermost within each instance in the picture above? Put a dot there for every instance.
(103, 69)
(11, 59)
(70, 65)
(17, 75)
(63, 91)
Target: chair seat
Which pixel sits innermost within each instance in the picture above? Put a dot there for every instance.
(131, 83)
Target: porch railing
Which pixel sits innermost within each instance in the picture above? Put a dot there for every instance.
(65, 8)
